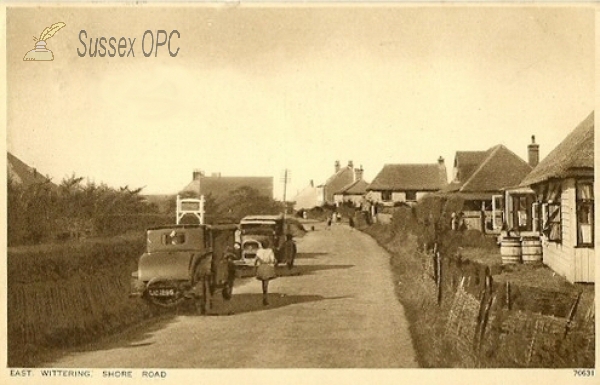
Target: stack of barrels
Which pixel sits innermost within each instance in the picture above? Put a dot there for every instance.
(521, 249)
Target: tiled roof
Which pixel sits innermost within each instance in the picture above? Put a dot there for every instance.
(498, 168)
(221, 186)
(501, 168)
(468, 161)
(343, 172)
(403, 177)
(23, 174)
(358, 187)
(574, 156)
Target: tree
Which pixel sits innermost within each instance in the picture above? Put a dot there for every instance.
(247, 201)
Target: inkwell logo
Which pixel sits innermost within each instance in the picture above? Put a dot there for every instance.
(40, 52)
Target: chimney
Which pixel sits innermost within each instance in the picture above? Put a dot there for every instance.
(216, 175)
(350, 164)
(312, 183)
(533, 152)
(358, 173)
(197, 174)
(442, 167)
(337, 165)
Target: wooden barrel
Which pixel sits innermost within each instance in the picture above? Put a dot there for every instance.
(531, 250)
(510, 249)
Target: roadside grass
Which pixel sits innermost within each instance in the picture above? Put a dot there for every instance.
(537, 288)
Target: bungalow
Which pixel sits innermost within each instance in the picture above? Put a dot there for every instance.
(342, 177)
(480, 178)
(354, 192)
(407, 183)
(317, 196)
(220, 186)
(564, 186)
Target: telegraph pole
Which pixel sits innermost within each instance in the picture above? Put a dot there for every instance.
(285, 179)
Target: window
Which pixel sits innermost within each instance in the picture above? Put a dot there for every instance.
(174, 238)
(552, 225)
(585, 214)
(411, 196)
(386, 196)
(521, 219)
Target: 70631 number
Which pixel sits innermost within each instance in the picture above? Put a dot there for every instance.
(584, 372)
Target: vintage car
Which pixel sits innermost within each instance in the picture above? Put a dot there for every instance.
(186, 262)
(253, 230)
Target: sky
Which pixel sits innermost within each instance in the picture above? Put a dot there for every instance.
(254, 90)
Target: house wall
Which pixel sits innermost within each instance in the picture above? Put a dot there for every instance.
(397, 196)
(421, 194)
(575, 264)
(320, 196)
(373, 196)
(357, 200)
(307, 198)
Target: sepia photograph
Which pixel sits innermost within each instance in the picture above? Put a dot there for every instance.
(236, 185)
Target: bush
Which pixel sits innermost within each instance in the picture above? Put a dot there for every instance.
(115, 224)
(62, 261)
(43, 212)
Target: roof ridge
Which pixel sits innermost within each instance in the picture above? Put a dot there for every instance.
(493, 153)
(412, 164)
(349, 186)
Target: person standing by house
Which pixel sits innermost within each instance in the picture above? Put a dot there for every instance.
(265, 270)
(351, 222)
(289, 251)
(454, 221)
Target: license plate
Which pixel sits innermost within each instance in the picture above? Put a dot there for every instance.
(162, 292)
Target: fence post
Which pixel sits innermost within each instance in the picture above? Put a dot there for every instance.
(486, 304)
(572, 314)
(438, 259)
(508, 304)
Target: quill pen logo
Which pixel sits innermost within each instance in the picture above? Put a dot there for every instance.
(40, 52)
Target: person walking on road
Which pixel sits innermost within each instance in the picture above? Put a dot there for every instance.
(351, 222)
(289, 251)
(265, 271)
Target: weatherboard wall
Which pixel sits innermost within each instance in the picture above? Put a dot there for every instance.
(576, 264)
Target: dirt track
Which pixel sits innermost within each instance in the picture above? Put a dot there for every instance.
(336, 309)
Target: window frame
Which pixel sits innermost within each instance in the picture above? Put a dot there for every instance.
(413, 194)
(584, 202)
(386, 194)
(557, 221)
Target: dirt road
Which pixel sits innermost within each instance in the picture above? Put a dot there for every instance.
(336, 309)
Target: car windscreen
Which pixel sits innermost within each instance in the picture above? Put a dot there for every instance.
(257, 228)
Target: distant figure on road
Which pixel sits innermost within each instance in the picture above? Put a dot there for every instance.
(328, 223)
(333, 217)
(351, 222)
(265, 260)
(289, 251)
